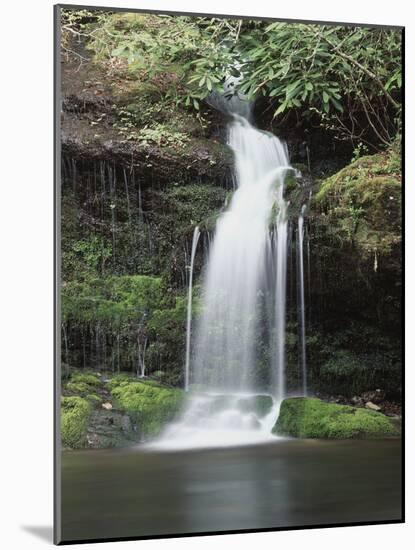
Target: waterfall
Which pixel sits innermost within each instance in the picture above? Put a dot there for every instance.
(226, 404)
(225, 341)
(280, 295)
(300, 241)
(196, 235)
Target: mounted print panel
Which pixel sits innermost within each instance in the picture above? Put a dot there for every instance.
(229, 286)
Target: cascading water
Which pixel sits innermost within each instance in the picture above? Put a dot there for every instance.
(226, 404)
(301, 298)
(196, 236)
(225, 340)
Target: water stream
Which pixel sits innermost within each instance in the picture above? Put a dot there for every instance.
(196, 236)
(222, 365)
(302, 332)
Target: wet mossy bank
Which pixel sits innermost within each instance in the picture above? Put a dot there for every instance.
(100, 411)
(104, 411)
(307, 417)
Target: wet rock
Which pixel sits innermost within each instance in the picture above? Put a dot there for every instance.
(372, 406)
(126, 424)
(107, 406)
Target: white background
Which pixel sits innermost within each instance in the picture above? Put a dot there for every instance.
(26, 213)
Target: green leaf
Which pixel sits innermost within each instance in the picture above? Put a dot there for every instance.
(337, 104)
(281, 108)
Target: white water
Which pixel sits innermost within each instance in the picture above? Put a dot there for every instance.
(225, 350)
(225, 341)
(220, 420)
(196, 236)
(302, 301)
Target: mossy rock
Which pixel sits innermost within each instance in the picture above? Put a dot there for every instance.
(361, 204)
(151, 406)
(75, 413)
(312, 418)
(84, 385)
(93, 398)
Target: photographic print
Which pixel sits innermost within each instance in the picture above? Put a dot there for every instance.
(228, 274)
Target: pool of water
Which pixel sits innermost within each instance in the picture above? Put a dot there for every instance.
(142, 491)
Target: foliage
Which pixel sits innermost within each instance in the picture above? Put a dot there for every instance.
(312, 418)
(87, 255)
(75, 413)
(349, 78)
(113, 300)
(154, 133)
(151, 406)
(167, 328)
(349, 374)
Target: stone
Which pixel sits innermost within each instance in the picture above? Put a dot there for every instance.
(372, 406)
(107, 406)
(126, 423)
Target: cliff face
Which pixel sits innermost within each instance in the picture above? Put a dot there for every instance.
(139, 173)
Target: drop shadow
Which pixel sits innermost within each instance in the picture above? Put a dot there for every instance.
(43, 532)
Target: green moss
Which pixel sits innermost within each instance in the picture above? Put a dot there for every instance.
(151, 406)
(118, 380)
(86, 379)
(93, 398)
(75, 412)
(361, 204)
(313, 418)
(84, 385)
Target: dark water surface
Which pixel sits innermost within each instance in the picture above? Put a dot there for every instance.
(139, 492)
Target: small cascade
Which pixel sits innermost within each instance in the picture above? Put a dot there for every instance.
(196, 235)
(301, 305)
(280, 293)
(219, 420)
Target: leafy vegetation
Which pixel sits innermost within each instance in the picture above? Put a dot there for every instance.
(347, 78)
(312, 418)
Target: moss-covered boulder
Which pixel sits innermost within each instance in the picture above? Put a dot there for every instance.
(312, 418)
(151, 406)
(75, 413)
(361, 205)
